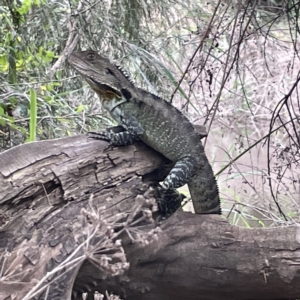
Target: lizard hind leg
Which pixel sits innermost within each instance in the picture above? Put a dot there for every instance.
(168, 198)
(180, 174)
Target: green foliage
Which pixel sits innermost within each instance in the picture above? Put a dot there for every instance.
(33, 115)
(2, 116)
(26, 5)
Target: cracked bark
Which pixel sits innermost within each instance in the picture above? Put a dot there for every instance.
(45, 186)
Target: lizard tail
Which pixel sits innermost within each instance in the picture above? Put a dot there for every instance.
(204, 192)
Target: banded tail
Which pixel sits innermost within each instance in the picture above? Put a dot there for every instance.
(204, 192)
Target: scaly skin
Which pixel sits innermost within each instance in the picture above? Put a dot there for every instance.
(157, 123)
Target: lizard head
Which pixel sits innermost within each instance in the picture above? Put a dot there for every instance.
(106, 79)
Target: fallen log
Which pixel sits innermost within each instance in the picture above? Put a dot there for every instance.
(74, 218)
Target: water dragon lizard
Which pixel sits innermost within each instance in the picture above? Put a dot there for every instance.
(147, 117)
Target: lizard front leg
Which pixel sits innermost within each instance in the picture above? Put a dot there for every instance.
(117, 137)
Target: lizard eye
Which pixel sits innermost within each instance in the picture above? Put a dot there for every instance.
(109, 71)
(91, 56)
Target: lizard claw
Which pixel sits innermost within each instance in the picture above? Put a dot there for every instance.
(168, 200)
(102, 135)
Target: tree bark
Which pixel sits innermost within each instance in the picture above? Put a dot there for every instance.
(70, 198)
